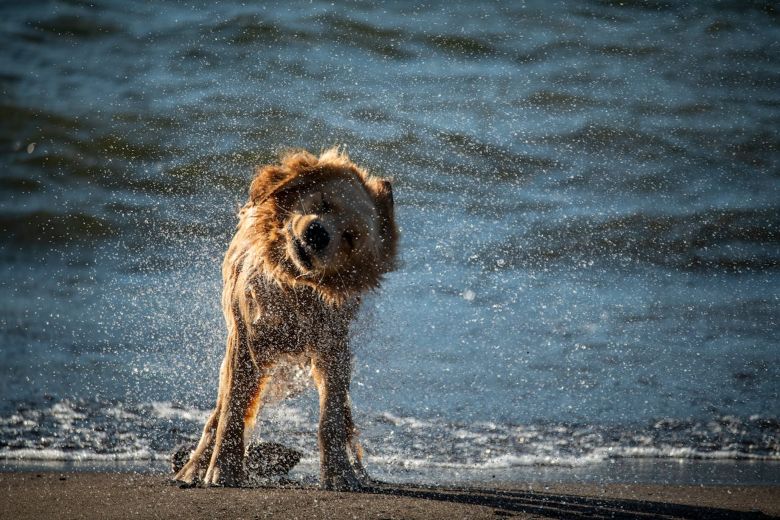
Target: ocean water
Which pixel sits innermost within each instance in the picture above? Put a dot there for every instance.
(588, 195)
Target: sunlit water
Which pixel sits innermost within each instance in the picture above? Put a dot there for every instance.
(587, 193)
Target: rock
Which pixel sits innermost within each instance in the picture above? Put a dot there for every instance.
(263, 459)
(181, 456)
(269, 459)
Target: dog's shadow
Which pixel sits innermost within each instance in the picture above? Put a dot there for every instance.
(268, 464)
(552, 505)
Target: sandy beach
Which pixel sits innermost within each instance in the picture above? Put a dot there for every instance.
(117, 495)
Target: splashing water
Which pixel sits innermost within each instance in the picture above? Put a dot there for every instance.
(588, 203)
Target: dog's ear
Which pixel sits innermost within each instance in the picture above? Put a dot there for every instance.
(384, 192)
(383, 195)
(268, 179)
(271, 178)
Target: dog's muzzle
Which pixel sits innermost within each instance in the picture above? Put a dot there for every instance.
(316, 237)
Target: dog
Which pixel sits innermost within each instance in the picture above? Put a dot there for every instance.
(315, 234)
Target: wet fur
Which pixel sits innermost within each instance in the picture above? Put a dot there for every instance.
(276, 309)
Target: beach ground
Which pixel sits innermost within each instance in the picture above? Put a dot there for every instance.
(123, 495)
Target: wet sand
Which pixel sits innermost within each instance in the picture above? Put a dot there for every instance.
(116, 495)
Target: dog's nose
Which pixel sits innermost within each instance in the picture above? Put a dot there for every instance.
(316, 236)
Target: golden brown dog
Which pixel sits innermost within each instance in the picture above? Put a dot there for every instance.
(315, 233)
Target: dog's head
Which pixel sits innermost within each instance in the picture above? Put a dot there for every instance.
(325, 222)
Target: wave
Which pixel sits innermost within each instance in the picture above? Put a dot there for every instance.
(617, 140)
(46, 227)
(91, 430)
(48, 454)
(723, 239)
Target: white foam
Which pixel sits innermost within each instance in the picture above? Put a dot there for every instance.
(65, 414)
(17, 420)
(79, 455)
(503, 461)
(673, 452)
(167, 410)
(412, 422)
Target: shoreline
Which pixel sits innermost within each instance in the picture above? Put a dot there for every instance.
(685, 472)
(122, 495)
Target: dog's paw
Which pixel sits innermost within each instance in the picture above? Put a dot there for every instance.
(225, 475)
(344, 481)
(365, 479)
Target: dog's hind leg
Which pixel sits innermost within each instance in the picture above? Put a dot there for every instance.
(255, 403)
(331, 373)
(356, 450)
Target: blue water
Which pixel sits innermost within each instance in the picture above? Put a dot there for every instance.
(587, 194)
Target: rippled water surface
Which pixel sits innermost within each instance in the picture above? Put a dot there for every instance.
(587, 193)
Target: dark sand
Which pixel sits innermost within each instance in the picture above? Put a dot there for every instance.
(116, 495)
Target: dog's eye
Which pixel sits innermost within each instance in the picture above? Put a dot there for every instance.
(350, 238)
(322, 206)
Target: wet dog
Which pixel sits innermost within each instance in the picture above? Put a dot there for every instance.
(315, 234)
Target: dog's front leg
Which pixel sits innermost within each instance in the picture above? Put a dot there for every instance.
(331, 372)
(192, 471)
(220, 452)
(240, 383)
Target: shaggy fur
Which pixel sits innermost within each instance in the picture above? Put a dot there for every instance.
(315, 233)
